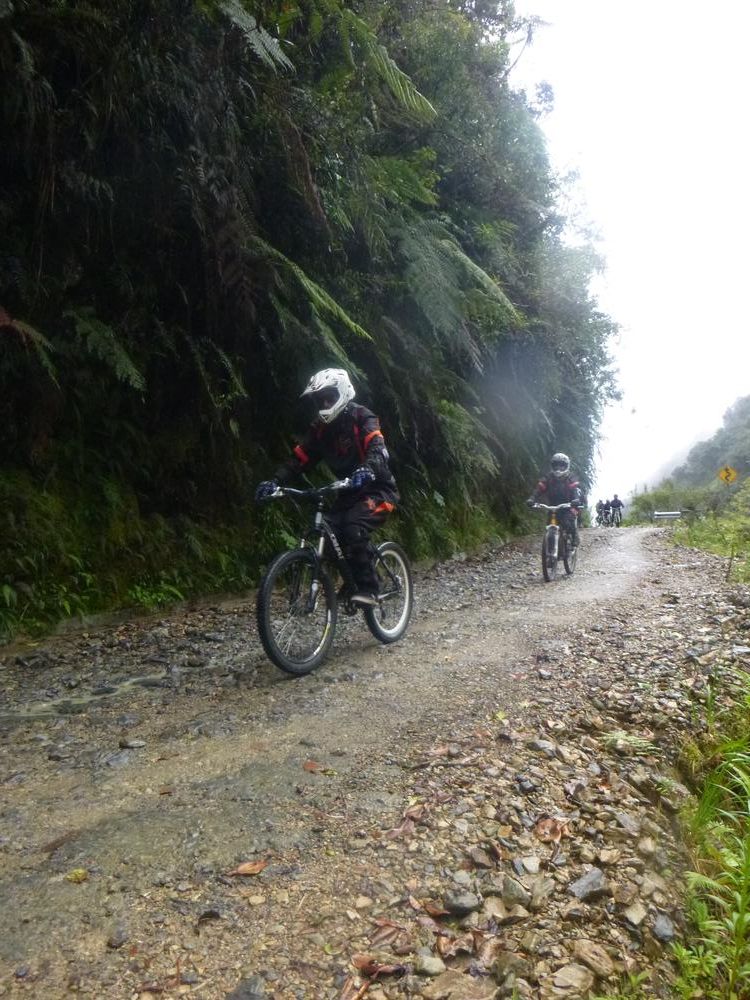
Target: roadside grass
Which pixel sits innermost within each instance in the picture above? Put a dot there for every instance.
(633, 987)
(714, 959)
(715, 518)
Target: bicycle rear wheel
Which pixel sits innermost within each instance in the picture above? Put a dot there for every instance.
(389, 620)
(570, 554)
(296, 619)
(549, 555)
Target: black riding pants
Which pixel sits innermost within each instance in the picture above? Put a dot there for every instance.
(353, 521)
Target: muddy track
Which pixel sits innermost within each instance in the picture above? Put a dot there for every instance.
(156, 756)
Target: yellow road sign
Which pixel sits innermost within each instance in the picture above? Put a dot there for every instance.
(727, 474)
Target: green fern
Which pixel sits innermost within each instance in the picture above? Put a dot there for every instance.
(444, 282)
(38, 342)
(101, 341)
(376, 56)
(319, 300)
(263, 45)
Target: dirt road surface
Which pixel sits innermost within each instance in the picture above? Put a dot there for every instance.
(140, 765)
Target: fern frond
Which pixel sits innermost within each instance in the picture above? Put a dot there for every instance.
(450, 288)
(465, 438)
(101, 341)
(263, 45)
(39, 343)
(237, 388)
(319, 299)
(377, 57)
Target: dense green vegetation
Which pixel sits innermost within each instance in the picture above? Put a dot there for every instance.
(202, 201)
(716, 514)
(714, 961)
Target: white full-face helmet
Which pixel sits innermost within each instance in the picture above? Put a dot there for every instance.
(330, 389)
(560, 464)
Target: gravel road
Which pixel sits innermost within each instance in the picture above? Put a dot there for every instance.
(143, 763)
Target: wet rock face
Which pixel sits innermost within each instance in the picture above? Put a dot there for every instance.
(486, 809)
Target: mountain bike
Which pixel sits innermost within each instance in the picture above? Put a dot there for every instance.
(615, 518)
(557, 543)
(298, 603)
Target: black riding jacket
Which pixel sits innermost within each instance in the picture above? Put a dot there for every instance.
(354, 438)
(552, 490)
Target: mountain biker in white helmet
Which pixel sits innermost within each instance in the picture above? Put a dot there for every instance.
(560, 486)
(347, 437)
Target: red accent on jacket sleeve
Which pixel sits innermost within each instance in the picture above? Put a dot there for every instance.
(370, 436)
(301, 454)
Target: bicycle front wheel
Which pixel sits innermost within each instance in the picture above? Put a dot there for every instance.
(389, 620)
(570, 554)
(296, 611)
(549, 555)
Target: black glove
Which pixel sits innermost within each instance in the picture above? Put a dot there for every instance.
(265, 489)
(361, 477)
(531, 502)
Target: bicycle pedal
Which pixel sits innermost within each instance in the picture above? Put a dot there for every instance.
(365, 600)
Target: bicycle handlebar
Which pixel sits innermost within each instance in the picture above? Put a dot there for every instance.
(559, 506)
(311, 494)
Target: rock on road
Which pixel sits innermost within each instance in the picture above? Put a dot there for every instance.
(142, 763)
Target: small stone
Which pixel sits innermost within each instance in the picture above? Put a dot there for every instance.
(635, 914)
(460, 904)
(515, 894)
(594, 956)
(646, 847)
(253, 988)
(362, 903)
(663, 929)
(118, 937)
(576, 979)
(609, 856)
(629, 823)
(592, 885)
(429, 965)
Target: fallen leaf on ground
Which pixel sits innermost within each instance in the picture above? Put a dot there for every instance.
(77, 875)
(249, 868)
(370, 966)
(550, 830)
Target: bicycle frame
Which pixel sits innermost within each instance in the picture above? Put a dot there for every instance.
(553, 527)
(320, 532)
(297, 604)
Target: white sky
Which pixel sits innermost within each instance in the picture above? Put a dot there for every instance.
(651, 108)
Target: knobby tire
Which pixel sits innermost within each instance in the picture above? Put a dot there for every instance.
(570, 554)
(390, 619)
(549, 556)
(296, 635)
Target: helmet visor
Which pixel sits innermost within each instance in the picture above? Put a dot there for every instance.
(325, 399)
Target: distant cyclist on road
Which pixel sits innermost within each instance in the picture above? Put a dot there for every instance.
(560, 486)
(617, 506)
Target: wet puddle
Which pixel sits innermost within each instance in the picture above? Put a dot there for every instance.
(60, 707)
